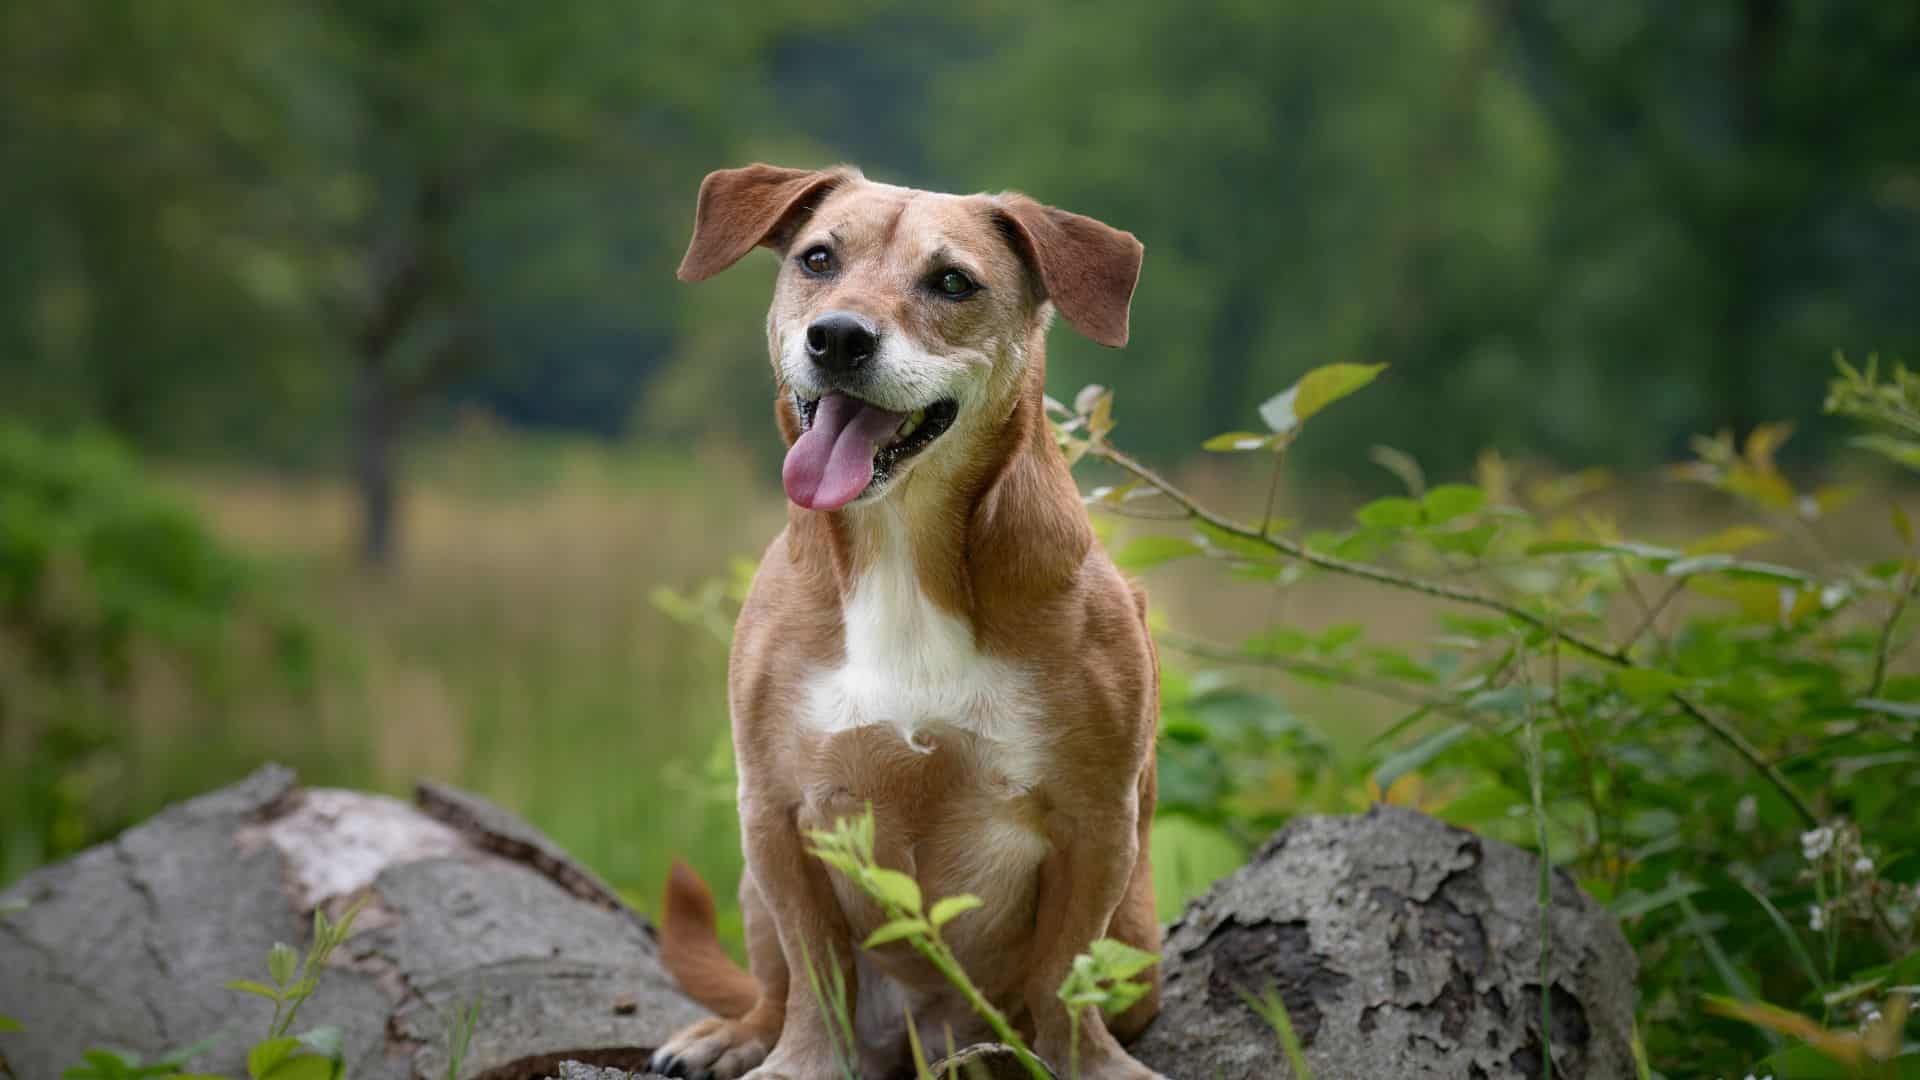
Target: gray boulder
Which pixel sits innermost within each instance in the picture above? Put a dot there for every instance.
(1401, 947)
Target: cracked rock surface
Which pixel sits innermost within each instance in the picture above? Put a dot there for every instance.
(1402, 947)
(129, 944)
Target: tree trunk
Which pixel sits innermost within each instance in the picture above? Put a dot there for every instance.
(374, 452)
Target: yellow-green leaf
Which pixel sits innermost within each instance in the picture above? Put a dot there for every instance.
(1316, 390)
(1232, 442)
(894, 887)
(953, 907)
(1449, 501)
(1392, 512)
(1647, 686)
(1902, 524)
(1119, 960)
(282, 962)
(267, 1056)
(305, 1067)
(249, 986)
(894, 931)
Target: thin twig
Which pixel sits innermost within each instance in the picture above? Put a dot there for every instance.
(1381, 575)
(1294, 549)
(1273, 490)
(1885, 651)
(1652, 619)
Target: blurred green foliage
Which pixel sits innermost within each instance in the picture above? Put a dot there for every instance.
(1574, 232)
(1719, 746)
(108, 586)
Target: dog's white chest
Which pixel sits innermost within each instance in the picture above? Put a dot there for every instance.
(913, 667)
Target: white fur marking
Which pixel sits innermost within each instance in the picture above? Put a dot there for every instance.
(913, 667)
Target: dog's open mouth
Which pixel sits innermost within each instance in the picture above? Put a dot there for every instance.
(847, 445)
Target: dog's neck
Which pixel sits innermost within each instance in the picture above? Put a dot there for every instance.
(990, 537)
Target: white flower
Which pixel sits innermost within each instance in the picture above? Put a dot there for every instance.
(1817, 918)
(1746, 813)
(1815, 843)
(1863, 866)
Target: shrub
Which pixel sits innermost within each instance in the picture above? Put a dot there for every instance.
(1721, 747)
(117, 608)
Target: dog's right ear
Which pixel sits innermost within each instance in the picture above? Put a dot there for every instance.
(742, 208)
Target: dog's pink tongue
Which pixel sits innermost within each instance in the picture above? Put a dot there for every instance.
(832, 461)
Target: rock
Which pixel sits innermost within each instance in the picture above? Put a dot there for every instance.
(1403, 948)
(129, 944)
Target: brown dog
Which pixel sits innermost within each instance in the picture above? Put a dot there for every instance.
(935, 633)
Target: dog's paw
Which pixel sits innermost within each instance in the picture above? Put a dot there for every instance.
(712, 1049)
(787, 1065)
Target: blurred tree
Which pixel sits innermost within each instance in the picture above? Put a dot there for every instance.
(268, 231)
(1575, 231)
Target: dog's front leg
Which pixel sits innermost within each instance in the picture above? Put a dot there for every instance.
(813, 931)
(1095, 844)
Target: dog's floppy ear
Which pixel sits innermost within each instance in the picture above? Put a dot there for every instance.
(742, 208)
(1087, 268)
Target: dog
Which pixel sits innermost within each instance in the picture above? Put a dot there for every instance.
(936, 634)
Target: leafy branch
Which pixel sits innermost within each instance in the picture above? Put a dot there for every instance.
(1100, 447)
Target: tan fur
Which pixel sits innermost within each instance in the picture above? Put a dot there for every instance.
(690, 948)
(999, 541)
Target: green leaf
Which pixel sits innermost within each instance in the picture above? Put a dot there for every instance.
(1473, 542)
(325, 1039)
(306, 1067)
(1728, 566)
(840, 861)
(1647, 686)
(1392, 512)
(267, 1056)
(945, 911)
(1449, 501)
(1316, 390)
(1238, 442)
(1149, 551)
(1650, 552)
(1119, 960)
(1401, 464)
(895, 930)
(1903, 451)
(8, 1023)
(282, 962)
(249, 986)
(1419, 754)
(894, 887)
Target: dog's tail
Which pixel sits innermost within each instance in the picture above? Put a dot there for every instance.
(690, 947)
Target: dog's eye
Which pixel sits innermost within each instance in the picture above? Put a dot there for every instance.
(955, 283)
(817, 260)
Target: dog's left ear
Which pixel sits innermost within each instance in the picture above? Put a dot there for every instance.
(1086, 267)
(742, 208)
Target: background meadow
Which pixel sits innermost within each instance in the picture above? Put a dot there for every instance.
(350, 416)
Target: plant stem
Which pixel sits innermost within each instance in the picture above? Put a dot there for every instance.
(1885, 651)
(943, 961)
(1383, 576)
(1296, 550)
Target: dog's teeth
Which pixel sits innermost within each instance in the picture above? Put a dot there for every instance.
(912, 423)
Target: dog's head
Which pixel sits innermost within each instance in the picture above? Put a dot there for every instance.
(903, 321)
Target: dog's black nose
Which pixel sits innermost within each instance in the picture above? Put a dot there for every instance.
(841, 341)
